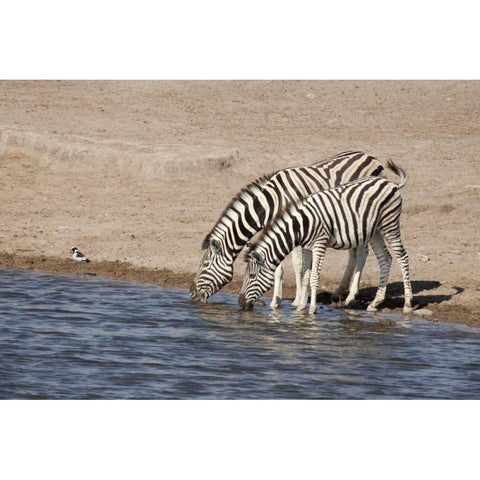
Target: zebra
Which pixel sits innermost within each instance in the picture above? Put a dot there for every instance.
(361, 212)
(260, 201)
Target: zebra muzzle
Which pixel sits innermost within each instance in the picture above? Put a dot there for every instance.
(244, 305)
(196, 295)
(193, 292)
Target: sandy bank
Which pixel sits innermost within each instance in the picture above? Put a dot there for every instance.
(437, 304)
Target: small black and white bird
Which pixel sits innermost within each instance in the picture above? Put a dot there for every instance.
(78, 255)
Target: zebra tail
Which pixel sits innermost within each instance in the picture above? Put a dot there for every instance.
(398, 171)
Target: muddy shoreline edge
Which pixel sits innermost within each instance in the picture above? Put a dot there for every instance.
(162, 277)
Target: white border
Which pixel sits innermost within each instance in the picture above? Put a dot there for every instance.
(252, 39)
(239, 439)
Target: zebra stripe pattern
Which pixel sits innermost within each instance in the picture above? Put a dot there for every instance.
(350, 216)
(259, 202)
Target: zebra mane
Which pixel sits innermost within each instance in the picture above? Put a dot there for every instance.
(254, 188)
(248, 248)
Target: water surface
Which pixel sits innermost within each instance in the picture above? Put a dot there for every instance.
(68, 337)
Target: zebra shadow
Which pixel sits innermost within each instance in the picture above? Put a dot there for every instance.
(394, 296)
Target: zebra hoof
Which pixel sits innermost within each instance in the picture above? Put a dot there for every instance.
(372, 309)
(301, 308)
(312, 311)
(338, 296)
(351, 304)
(276, 302)
(407, 310)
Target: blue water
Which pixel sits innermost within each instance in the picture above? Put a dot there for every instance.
(72, 337)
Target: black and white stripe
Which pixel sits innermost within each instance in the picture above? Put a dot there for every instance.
(350, 216)
(258, 203)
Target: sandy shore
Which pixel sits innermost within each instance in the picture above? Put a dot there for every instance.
(136, 173)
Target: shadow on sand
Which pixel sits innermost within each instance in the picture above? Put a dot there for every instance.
(394, 297)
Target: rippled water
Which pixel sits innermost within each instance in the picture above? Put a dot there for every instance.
(83, 337)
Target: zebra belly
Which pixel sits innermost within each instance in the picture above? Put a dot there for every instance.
(340, 241)
(339, 245)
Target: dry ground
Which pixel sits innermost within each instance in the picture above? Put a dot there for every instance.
(136, 173)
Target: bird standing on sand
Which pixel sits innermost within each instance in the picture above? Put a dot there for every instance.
(78, 255)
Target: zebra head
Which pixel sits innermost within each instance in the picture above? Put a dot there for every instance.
(215, 270)
(259, 278)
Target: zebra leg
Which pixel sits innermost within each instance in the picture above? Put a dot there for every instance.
(395, 241)
(277, 288)
(297, 262)
(347, 276)
(306, 271)
(318, 252)
(361, 257)
(384, 262)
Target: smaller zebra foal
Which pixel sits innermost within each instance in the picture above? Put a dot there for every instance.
(350, 216)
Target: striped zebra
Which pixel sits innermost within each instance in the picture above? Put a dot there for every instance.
(361, 212)
(255, 205)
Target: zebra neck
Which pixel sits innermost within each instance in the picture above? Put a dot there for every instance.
(292, 229)
(243, 217)
(276, 245)
(239, 224)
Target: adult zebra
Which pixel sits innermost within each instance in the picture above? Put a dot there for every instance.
(255, 205)
(361, 212)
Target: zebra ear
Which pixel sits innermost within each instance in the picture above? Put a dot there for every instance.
(257, 257)
(216, 246)
(206, 242)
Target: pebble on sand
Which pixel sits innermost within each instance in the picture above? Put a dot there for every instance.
(423, 312)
